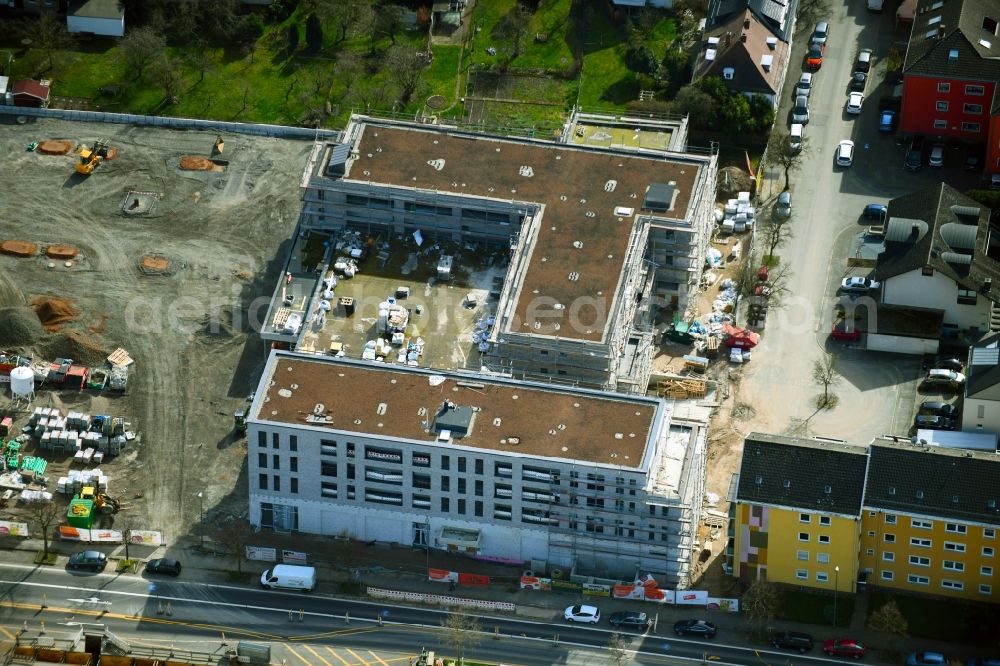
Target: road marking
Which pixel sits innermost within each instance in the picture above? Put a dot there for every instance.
(292, 650)
(334, 653)
(333, 634)
(316, 654)
(358, 657)
(383, 662)
(9, 634)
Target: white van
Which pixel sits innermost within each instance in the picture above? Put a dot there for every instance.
(289, 577)
(795, 137)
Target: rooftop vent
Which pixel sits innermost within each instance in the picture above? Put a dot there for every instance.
(759, 480)
(954, 499)
(455, 420)
(827, 489)
(920, 494)
(787, 484)
(766, 61)
(772, 43)
(892, 490)
(953, 54)
(728, 73)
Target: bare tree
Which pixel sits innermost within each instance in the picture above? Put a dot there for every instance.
(201, 61)
(349, 16)
(513, 26)
(775, 231)
(166, 73)
(780, 151)
(389, 21)
(406, 67)
(762, 294)
(142, 48)
(46, 513)
(825, 374)
(235, 534)
(618, 650)
(889, 620)
(49, 34)
(760, 602)
(462, 632)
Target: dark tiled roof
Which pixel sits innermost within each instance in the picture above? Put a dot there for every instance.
(777, 15)
(934, 481)
(932, 228)
(744, 56)
(983, 371)
(802, 473)
(946, 28)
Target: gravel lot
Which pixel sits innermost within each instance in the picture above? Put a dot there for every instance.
(223, 235)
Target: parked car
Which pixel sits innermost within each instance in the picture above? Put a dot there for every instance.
(858, 285)
(887, 120)
(859, 80)
(695, 628)
(88, 559)
(974, 157)
(934, 422)
(941, 378)
(845, 153)
(936, 158)
(800, 112)
(874, 211)
(914, 159)
(854, 102)
(633, 619)
(792, 640)
(804, 86)
(821, 33)
(925, 659)
(814, 59)
(864, 61)
(983, 661)
(844, 647)
(588, 614)
(939, 408)
(163, 565)
(946, 362)
(783, 207)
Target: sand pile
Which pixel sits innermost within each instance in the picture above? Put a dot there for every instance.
(53, 312)
(195, 163)
(55, 147)
(61, 252)
(732, 180)
(154, 264)
(19, 327)
(19, 248)
(84, 348)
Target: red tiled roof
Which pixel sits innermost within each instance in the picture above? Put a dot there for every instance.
(31, 88)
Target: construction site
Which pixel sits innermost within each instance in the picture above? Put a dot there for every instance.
(130, 258)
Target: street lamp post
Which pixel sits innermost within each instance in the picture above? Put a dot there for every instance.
(201, 522)
(836, 584)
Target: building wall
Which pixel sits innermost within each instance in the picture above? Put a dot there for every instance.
(937, 291)
(941, 543)
(993, 146)
(979, 415)
(899, 344)
(98, 26)
(920, 114)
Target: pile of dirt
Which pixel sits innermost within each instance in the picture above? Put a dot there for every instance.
(195, 163)
(112, 154)
(55, 147)
(19, 327)
(61, 252)
(154, 263)
(84, 348)
(732, 180)
(17, 248)
(53, 312)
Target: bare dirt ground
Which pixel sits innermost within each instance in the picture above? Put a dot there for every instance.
(223, 235)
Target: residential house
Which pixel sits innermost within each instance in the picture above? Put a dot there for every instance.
(746, 55)
(930, 520)
(941, 252)
(98, 17)
(795, 512)
(950, 73)
(777, 15)
(981, 408)
(30, 93)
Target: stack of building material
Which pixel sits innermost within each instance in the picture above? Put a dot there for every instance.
(738, 214)
(76, 480)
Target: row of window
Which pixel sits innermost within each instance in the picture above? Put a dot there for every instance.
(821, 576)
(293, 462)
(275, 485)
(940, 123)
(917, 523)
(807, 518)
(803, 555)
(970, 89)
(919, 542)
(916, 579)
(822, 538)
(972, 109)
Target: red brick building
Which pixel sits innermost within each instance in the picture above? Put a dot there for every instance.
(951, 74)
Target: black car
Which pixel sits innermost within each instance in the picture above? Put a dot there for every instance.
(859, 80)
(939, 408)
(914, 159)
(695, 628)
(88, 559)
(934, 422)
(633, 619)
(792, 640)
(944, 362)
(974, 158)
(164, 566)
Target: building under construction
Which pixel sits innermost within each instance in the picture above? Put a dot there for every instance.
(599, 237)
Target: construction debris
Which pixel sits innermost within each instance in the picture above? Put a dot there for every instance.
(61, 252)
(681, 388)
(17, 248)
(196, 163)
(53, 312)
(55, 147)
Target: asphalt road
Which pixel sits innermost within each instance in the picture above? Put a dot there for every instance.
(322, 630)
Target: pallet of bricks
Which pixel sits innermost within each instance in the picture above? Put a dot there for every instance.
(88, 438)
(78, 479)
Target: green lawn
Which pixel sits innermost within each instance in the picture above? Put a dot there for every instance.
(952, 621)
(814, 607)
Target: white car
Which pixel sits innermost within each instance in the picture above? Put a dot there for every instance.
(588, 614)
(854, 102)
(800, 111)
(845, 153)
(859, 285)
(804, 86)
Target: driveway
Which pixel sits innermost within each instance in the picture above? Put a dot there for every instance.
(876, 391)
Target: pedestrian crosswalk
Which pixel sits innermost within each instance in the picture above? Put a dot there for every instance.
(305, 654)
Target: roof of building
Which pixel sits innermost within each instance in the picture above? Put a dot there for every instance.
(952, 39)
(983, 371)
(822, 476)
(746, 45)
(581, 246)
(777, 15)
(938, 227)
(907, 321)
(106, 9)
(31, 89)
(399, 402)
(934, 481)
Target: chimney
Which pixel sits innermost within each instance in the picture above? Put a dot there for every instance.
(743, 37)
(746, 23)
(914, 231)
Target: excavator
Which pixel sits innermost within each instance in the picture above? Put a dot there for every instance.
(103, 503)
(92, 158)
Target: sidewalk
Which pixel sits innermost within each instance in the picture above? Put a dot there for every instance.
(535, 606)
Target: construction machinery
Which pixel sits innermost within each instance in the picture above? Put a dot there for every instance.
(103, 503)
(240, 423)
(92, 158)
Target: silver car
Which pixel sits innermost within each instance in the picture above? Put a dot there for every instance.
(804, 86)
(800, 112)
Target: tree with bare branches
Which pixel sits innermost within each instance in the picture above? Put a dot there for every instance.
(825, 375)
(141, 49)
(461, 632)
(235, 534)
(406, 67)
(760, 602)
(618, 649)
(781, 153)
(48, 32)
(45, 513)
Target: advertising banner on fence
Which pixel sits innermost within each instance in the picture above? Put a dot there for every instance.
(535, 583)
(566, 585)
(725, 605)
(259, 554)
(9, 528)
(293, 557)
(596, 590)
(70, 533)
(628, 592)
(442, 576)
(473, 579)
(145, 538)
(691, 598)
